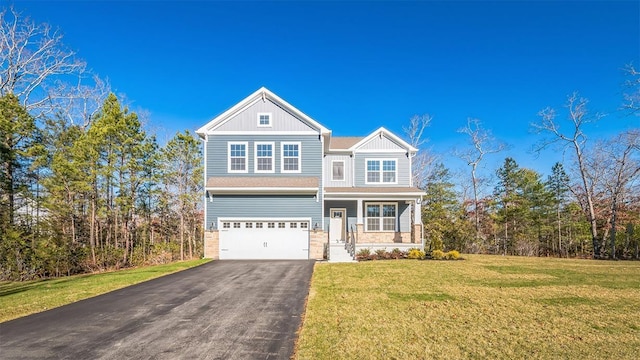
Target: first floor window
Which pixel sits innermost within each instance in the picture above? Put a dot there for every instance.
(381, 216)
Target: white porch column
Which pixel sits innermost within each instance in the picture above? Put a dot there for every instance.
(359, 219)
(417, 216)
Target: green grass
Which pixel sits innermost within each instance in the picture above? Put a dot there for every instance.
(19, 299)
(486, 307)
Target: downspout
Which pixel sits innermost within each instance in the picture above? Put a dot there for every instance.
(204, 160)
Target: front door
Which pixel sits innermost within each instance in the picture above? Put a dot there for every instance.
(337, 225)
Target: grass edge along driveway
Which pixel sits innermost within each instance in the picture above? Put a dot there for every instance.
(483, 307)
(18, 299)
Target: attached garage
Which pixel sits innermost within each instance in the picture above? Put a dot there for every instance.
(258, 238)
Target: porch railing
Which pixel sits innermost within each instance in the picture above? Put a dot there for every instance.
(350, 244)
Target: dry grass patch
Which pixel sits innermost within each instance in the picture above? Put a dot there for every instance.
(485, 307)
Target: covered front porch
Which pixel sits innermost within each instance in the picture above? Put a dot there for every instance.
(373, 218)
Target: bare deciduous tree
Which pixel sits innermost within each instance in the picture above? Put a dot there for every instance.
(621, 169)
(574, 139)
(30, 56)
(631, 95)
(422, 163)
(482, 143)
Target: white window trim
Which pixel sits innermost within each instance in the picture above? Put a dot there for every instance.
(270, 124)
(282, 157)
(344, 177)
(246, 157)
(381, 217)
(381, 171)
(255, 157)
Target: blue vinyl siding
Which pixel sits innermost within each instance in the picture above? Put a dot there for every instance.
(403, 169)
(264, 206)
(310, 153)
(352, 212)
(405, 217)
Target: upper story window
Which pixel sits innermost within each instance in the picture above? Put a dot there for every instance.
(264, 157)
(237, 157)
(337, 170)
(264, 119)
(381, 171)
(290, 157)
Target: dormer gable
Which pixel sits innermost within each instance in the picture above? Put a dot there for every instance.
(262, 112)
(382, 140)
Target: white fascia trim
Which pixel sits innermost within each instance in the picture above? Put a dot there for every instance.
(387, 133)
(262, 190)
(293, 109)
(376, 196)
(222, 118)
(395, 151)
(266, 132)
(282, 144)
(320, 194)
(204, 195)
(259, 95)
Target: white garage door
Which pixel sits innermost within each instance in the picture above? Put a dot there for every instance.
(264, 239)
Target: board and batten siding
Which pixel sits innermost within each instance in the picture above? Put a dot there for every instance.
(381, 143)
(402, 163)
(264, 206)
(281, 120)
(348, 171)
(310, 154)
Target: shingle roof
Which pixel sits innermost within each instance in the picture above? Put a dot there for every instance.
(262, 182)
(343, 142)
(372, 190)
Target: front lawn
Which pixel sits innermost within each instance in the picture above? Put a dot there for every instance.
(19, 299)
(486, 307)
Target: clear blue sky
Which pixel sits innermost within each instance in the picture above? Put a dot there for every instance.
(356, 66)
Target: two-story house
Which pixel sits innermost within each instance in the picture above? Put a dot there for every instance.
(278, 185)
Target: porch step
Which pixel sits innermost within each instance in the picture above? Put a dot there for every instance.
(337, 254)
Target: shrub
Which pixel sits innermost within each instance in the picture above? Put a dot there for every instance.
(382, 254)
(437, 255)
(396, 254)
(452, 255)
(363, 254)
(415, 254)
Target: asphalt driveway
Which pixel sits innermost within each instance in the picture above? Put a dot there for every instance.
(220, 310)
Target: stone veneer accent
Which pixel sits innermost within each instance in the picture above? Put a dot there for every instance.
(388, 237)
(317, 241)
(211, 244)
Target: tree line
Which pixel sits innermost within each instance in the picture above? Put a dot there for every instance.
(83, 187)
(588, 207)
